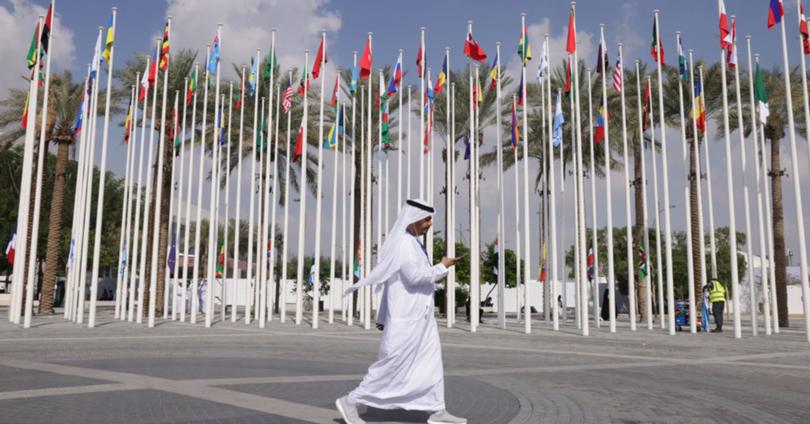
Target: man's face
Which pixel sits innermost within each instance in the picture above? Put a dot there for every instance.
(422, 226)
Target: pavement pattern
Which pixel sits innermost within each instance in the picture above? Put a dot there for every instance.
(121, 372)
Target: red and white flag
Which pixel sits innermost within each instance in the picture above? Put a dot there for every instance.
(731, 51)
(286, 101)
(473, 50)
(320, 59)
(804, 31)
(617, 77)
(725, 32)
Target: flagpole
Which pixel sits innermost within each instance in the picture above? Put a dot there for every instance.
(475, 228)
(732, 226)
(252, 207)
(797, 193)
(274, 203)
(180, 216)
(255, 295)
(422, 109)
(21, 245)
(451, 235)
(657, 207)
(137, 225)
(763, 278)
(121, 284)
(594, 242)
(583, 308)
(284, 238)
(698, 190)
(740, 130)
(347, 220)
(527, 327)
(212, 230)
(198, 227)
(430, 172)
(172, 240)
(350, 246)
(334, 209)
(380, 180)
(690, 266)
(238, 216)
(768, 228)
(367, 256)
(361, 250)
(267, 199)
(626, 183)
(41, 149)
(299, 313)
(499, 232)
(225, 293)
(470, 139)
(552, 200)
(316, 279)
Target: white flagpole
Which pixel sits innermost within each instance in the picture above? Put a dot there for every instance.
(284, 238)
(451, 234)
(211, 248)
(380, 180)
(124, 248)
(657, 208)
(518, 275)
(349, 254)
(25, 190)
(345, 221)
(797, 191)
(334, 210)
(552, 202)
(267, 199)
(473, 298)
(583, 306)
(316, 279)
(399, 139)
(526, 228)
(237, 275)
(732, 225)
(225, 294)
(763, 276)
(170, 278)
(367, 256)
(690, 266)
(133, 276)
(180, 214)
(645, 225)
(429, 178)
(254, 294)
(191, 159)
(627, 204)
(696, 159)
(631, 290)
(594, 242)
(195, 298)
(422, 112)
(274, 203)
(747, 202)
(361, 295)
(299, 312)
(156, 257)
(408, 151)
(252, 211)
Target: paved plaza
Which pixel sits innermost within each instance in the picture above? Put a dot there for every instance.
(119, 372)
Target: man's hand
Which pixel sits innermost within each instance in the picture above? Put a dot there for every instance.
(448, 262)
(380, 327)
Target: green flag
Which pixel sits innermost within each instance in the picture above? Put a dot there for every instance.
(762, 96)
(32, 50)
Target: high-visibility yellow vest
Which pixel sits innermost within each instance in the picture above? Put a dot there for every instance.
(717, 293)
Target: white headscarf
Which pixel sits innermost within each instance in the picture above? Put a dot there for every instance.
(389, 258)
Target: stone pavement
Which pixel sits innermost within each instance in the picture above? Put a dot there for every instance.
(119, 372)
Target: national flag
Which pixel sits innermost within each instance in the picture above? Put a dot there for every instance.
(241, 93)
(153, 67)
(269, 64)
(682, 60)
(164, 49)
(725, 33)
(77, 123)
(45, 38)
(221, 260)
(128, 123)
(11, 247)
(420, 68)
(647, 106)
(365, 60)
(571, 41)
(286, 101)
(567, 87)
(144, 83)
(804, 32)
(466, 141)
(221, 125)
(171, 260)
(31, 56)
(643, 270)
(24, 119)
(260, 135)
(214, 56)
(253, 76)
(542, 68)
(442, 78)
(591, 269)
(428, 130)
(299, 143)
(320, 59)
(473, 50)
(762, 97)
(430, 94)
(731, 51)
(775, 13)
(699, 113)
(524, 49)
(601, 56)
(601, 119)
(335, 91)
(337, 129)
(173, 134)
(192, 86)
(303, 84)
(355, 77)
(618, 77)
(515, 128)
(559, 120)
(656, 44)
(543, 271)
(385, 126)
(396, 77)
(493, 73)
(520, 90)
(358, 261)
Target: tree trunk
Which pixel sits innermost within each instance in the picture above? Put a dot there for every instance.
(779, 233)
(52, 255)
(639, 229)
(694, 211)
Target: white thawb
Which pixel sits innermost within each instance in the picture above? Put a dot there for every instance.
(408, 373)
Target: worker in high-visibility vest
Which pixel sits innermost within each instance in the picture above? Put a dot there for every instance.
(717, 295)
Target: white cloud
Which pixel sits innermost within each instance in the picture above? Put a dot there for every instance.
(247, 25)
(17, 22)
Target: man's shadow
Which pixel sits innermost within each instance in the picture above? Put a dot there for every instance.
(389, 415)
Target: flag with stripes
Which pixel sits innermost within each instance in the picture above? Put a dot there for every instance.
(617, 77)
(286, 101)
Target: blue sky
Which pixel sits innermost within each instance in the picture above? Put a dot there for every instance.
(396, 25)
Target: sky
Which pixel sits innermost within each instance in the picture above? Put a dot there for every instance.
(395, 25)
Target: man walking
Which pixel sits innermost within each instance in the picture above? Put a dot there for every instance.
(717, 295)
(408, 373)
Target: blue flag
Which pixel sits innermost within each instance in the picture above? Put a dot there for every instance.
(557, 134)
(355, 77)
(213, 58)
